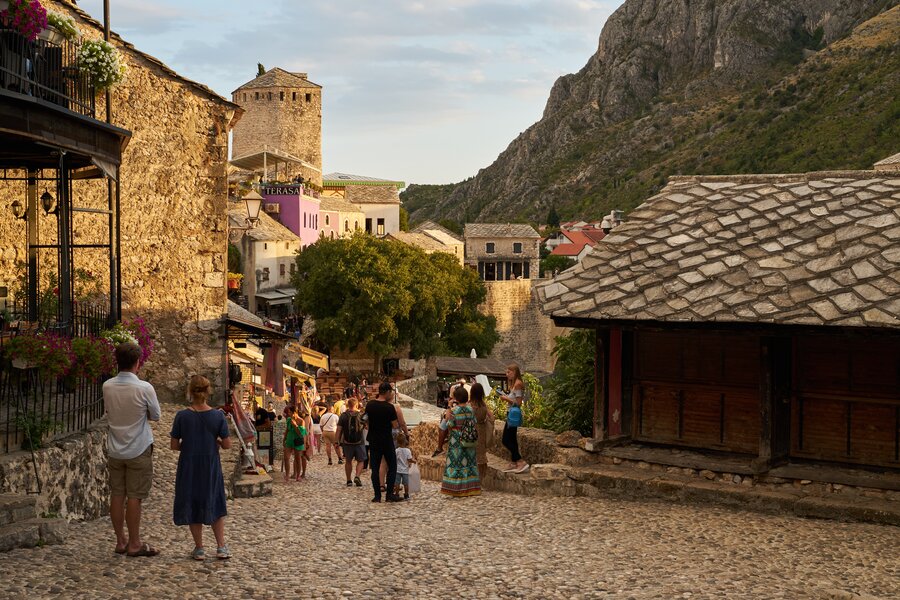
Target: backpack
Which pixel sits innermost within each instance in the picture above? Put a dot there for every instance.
(468, 434)
(354, 432)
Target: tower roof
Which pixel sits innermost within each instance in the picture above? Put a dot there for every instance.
(278, 77)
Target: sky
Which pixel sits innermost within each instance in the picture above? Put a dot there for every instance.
(417, 91)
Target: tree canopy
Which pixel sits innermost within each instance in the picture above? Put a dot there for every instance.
(385, 295)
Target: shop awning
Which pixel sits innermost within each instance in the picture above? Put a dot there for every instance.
(277, 296)
(239, 329)
(257, 358)
(310, 356)
(268, 158)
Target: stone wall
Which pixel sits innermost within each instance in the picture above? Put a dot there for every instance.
(526, 334)
(173, 200)
(72, 471)
(416, 387)
(293, 125)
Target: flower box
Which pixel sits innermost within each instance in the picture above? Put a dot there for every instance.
(52, 35)
(21, 363)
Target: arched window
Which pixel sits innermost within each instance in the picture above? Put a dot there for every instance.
(327, 219)
(356, 225)
(347, 225)
(332, 235)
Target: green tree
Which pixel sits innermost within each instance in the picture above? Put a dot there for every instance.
(235, 262)
(260, 69)
(569, 392)
(404, 219)
(385, 295)
(555, 262)
(553, 217)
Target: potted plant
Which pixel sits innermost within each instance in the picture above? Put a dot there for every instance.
(62, 27)
(48, 352)
(101, 63)
(35, 426)
(93, 357)
(27, 17)
(134, 332)
(234, 281)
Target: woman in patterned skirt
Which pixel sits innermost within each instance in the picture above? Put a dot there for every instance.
(461, 469)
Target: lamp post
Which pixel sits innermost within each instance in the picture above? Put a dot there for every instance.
(252, 203)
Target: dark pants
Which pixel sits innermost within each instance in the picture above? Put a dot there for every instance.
(511, 442)
(378, 450)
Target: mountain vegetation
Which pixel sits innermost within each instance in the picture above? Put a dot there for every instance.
(680, 87)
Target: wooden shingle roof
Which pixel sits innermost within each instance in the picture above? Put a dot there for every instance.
(809, 249)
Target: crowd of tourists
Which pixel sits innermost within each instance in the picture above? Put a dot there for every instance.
(359, 433)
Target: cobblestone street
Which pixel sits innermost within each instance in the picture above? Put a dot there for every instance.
(319, 539)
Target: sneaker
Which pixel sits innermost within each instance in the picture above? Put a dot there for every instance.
(394, 499)
(522, 469)
(340, 461)
(349, 483)
(329, 461)
(198, 554)
(406, 496)
(376, 499)
(223, 553)
(357, 482)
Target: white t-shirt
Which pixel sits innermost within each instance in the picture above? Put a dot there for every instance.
(329, 422)
(403, 457)
(130, 403)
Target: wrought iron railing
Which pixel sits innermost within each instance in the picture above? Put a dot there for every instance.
(87, 320)
(45, 71)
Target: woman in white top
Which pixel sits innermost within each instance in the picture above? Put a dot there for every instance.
(511, 429)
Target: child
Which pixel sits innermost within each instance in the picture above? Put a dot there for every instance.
(404, 459)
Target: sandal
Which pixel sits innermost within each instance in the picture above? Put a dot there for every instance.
(223, 553)
(146, 550)
(198, 554)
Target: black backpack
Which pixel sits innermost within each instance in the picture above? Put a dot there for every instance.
(354, 433)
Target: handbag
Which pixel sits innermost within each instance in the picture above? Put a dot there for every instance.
(415, 479)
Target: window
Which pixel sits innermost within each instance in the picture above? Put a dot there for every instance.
(245, 97)
(304, 220)
(265, 246)
(281, 94)
(355, 225)
(293, 267)
(347, 225)
(327, 220)
(309, 97)
(368, 225)
(281, 270)
(489, 247)
(257, 95)
(517, 247)
(332, 235)
(270, 95)
(294, 96)
(380, 227)
(287, 245)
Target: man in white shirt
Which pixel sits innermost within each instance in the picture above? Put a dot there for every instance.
(130, 405)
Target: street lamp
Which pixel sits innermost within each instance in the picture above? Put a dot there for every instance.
(18, 210)
(48, 203)
(253, 202)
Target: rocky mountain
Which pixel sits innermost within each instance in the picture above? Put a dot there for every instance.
(687, 86)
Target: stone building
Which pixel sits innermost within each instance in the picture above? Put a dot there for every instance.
(173, 213)
(269, 253)
(379, 199)
(444, 236)
(339, 218)
(755, 316)
(429, 244)
(502, 251)
(283, 112)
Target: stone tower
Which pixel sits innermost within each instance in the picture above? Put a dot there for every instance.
(283, 112)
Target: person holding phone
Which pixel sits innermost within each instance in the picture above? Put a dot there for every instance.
(514, 418)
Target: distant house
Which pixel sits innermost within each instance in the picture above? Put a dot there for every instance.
(429, 244)
(501, 251)
(379, 199)
(444, 236)
(269, 253)
(578, 244)
(339, 218)
(757, 315)
(295, 207)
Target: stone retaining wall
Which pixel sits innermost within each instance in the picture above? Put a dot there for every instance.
(73, 475)
(416, 387)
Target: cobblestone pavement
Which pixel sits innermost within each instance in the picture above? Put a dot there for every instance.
(319, 539)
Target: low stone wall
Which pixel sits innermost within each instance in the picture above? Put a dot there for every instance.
(416, 387)
(73, 475)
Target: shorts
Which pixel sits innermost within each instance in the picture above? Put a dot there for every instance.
(131, 477)
(330, 436)
(354, 452)
(317, 429)
(403, 479)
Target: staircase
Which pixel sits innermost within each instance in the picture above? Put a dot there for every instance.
(20, 527)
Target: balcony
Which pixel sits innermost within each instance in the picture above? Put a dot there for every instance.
(45, 72)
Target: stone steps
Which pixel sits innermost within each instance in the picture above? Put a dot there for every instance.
(21, 528)
(253, 486)
(627, 483)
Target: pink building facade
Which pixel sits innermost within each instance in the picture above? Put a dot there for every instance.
(294, 207)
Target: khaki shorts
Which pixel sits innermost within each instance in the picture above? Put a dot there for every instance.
(132, 477)
(330, 436)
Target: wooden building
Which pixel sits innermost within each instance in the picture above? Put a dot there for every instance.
(755, 315)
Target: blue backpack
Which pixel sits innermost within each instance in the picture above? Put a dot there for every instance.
(514, 416)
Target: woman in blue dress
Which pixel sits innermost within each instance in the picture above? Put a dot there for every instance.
(198, 432)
